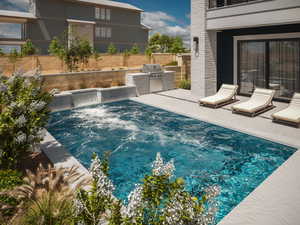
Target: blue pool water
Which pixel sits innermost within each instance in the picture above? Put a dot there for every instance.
(204, 154)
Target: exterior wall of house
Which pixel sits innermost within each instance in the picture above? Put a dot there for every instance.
(260, 13)
(216, 28)
(52, 21)
(203, 66)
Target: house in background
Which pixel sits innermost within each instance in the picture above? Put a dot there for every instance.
(100, 21)
(252, 43)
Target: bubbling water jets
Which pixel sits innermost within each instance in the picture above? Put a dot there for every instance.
(102, 117)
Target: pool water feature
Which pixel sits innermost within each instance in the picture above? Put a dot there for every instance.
(204, 154)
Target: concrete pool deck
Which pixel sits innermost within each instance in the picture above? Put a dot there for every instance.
(277, 200)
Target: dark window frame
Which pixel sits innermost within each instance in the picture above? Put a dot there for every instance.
(267, 60)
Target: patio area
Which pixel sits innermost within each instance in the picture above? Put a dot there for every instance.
(276, 201)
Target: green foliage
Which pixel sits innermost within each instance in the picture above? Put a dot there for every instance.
(165, 44)
(126, 52)
(177, 46)
(79, 51)
(1, 52)
(49, 209)
(8, 180)
(135, 49)
(111, 49)
(28, 49)
(23, 114)
(14, 56)
(148, 51)
(56, 48)
(173, 63)
(185, 84)
(158, 200)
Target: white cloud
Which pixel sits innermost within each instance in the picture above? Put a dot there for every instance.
(161, 22)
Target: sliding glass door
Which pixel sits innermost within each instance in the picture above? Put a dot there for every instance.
(285, 67)
(273, 64)
(252, 66)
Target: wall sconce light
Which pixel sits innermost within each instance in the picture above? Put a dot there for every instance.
(196, 44)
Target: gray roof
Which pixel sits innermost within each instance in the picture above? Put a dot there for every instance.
(15, 14)
(112, 4)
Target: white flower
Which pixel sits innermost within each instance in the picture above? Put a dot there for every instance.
(37, 106)
(104, 185)
(159, 168)
(41, 134)
(3, 88)
(135, 202)
(21, 121)
(21, 137)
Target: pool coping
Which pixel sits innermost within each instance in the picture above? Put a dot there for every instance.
(60, 157)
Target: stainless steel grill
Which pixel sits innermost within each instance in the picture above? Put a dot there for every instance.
(154, 70)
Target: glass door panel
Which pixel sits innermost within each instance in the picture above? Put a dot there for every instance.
(284, 67)
(252, 65)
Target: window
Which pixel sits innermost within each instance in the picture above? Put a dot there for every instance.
(103, 32)
(107, 14)
(102, 13)
(11, 31)
(108, 32)
(97, 13)
(9, 48)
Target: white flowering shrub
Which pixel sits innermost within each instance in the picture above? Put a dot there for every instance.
(159, 200)
(23, 115)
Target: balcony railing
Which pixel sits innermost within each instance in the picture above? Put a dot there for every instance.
(222, 3)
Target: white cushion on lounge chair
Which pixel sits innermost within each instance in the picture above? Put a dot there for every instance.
(292, 112)
(260, 99)
(225, 93)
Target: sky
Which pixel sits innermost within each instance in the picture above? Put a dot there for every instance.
(171, 17)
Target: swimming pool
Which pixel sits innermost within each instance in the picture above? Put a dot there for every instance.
(204, 154)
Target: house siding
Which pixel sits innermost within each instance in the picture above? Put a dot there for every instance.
(52, 22)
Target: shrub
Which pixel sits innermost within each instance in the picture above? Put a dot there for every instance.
(46, 195)
(28, 49)
(135, 49)
(1, 52)
(78, 52)
(14, 56)
(23, 115)
(173, 63)
(185, 84)
(8, 180)
(160, 199)
(111, 49)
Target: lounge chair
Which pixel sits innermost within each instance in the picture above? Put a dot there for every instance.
(290, 115)
(225, 95)
(260, 101)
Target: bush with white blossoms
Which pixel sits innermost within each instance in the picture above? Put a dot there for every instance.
(159, 200)
(23, 115)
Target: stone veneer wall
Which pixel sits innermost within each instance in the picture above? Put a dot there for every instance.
(93, 79)
(203, 63)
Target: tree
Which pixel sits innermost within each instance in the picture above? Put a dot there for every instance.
(28, 48)
(135, 49)
(165, 44)
(111, 49)
(177, 45)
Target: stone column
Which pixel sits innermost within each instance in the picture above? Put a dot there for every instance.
(203, 66)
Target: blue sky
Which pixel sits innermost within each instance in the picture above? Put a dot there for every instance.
(171, 17)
